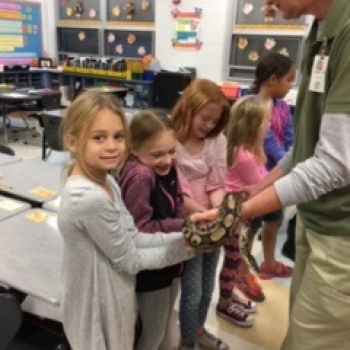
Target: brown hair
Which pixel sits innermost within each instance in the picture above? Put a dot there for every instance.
(247, 116)
(199, 93)
(147, 125)
(78, 122)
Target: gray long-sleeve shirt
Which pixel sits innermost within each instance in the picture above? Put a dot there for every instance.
(102, 252)
(327, 170)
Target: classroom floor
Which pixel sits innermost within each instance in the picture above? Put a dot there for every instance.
(271, 317)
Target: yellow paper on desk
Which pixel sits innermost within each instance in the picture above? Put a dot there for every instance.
(8, 204)
(43, 192)
(37, 216)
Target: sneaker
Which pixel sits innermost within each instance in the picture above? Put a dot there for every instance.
(251, 288)
(208, 341)
(247, 305)
(277, 269)
(235, 314)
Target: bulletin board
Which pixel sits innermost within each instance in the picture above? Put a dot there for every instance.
(251, 15)
(79, 12)
(128, 43)
(20, 32)
(78, 41)
(142, 12)
(246, 49)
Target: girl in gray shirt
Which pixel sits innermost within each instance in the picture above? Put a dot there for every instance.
(102, 248)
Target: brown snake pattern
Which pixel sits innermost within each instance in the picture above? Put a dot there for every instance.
(208, 237)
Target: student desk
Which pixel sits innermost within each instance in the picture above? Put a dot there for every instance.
(60, 113)
(10, 207)
(107, 89)
(52, 120)
(33, 181)
(31, 254)
(13, 98)
(119, 92)
(7, 159)
(53, 205)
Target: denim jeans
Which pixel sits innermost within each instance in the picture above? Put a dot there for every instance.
(197, 285)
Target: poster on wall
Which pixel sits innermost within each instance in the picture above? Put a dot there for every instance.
(20, 32)
(186, 29)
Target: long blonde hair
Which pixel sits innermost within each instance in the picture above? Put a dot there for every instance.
(78, 122)
(244, 128)
(199, 93)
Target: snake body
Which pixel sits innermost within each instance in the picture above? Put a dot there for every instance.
(208, 237)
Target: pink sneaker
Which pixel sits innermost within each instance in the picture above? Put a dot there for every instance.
(277, 269)
(250, 287)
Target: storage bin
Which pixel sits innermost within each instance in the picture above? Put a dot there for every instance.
(230, 90)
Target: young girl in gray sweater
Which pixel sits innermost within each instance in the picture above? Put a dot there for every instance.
(102, 247)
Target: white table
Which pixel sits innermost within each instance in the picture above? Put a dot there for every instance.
(60, 113)
(31, 255)
(10, 207)
(7, 159)
(53, 205)
(34, 180)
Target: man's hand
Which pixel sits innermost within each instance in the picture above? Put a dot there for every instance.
(251, 191)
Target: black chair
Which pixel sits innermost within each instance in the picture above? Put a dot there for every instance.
(51, 101)
(6, 150)
(10, 318)
(51, 137)
(167, 86)
(48, 102)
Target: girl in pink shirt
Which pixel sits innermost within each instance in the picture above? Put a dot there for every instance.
(246, 166)
(199, 117)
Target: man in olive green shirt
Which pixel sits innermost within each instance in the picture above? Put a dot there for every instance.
(315, 176)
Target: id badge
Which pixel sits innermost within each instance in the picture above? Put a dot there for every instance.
(318, 74)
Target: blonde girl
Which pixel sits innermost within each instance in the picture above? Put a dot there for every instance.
(246, 166)
(102, 247)
(199, 117)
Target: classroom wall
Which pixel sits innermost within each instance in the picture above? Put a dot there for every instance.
(214, 32)
(216, 25)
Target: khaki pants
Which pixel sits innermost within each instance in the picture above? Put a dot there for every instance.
(320, 293)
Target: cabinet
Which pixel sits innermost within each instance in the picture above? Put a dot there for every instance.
(255, 34)
(34, 78)
(141, 90)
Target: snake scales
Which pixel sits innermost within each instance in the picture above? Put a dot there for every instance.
(207, 237)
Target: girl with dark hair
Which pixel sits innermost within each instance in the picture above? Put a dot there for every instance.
(273, 79)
